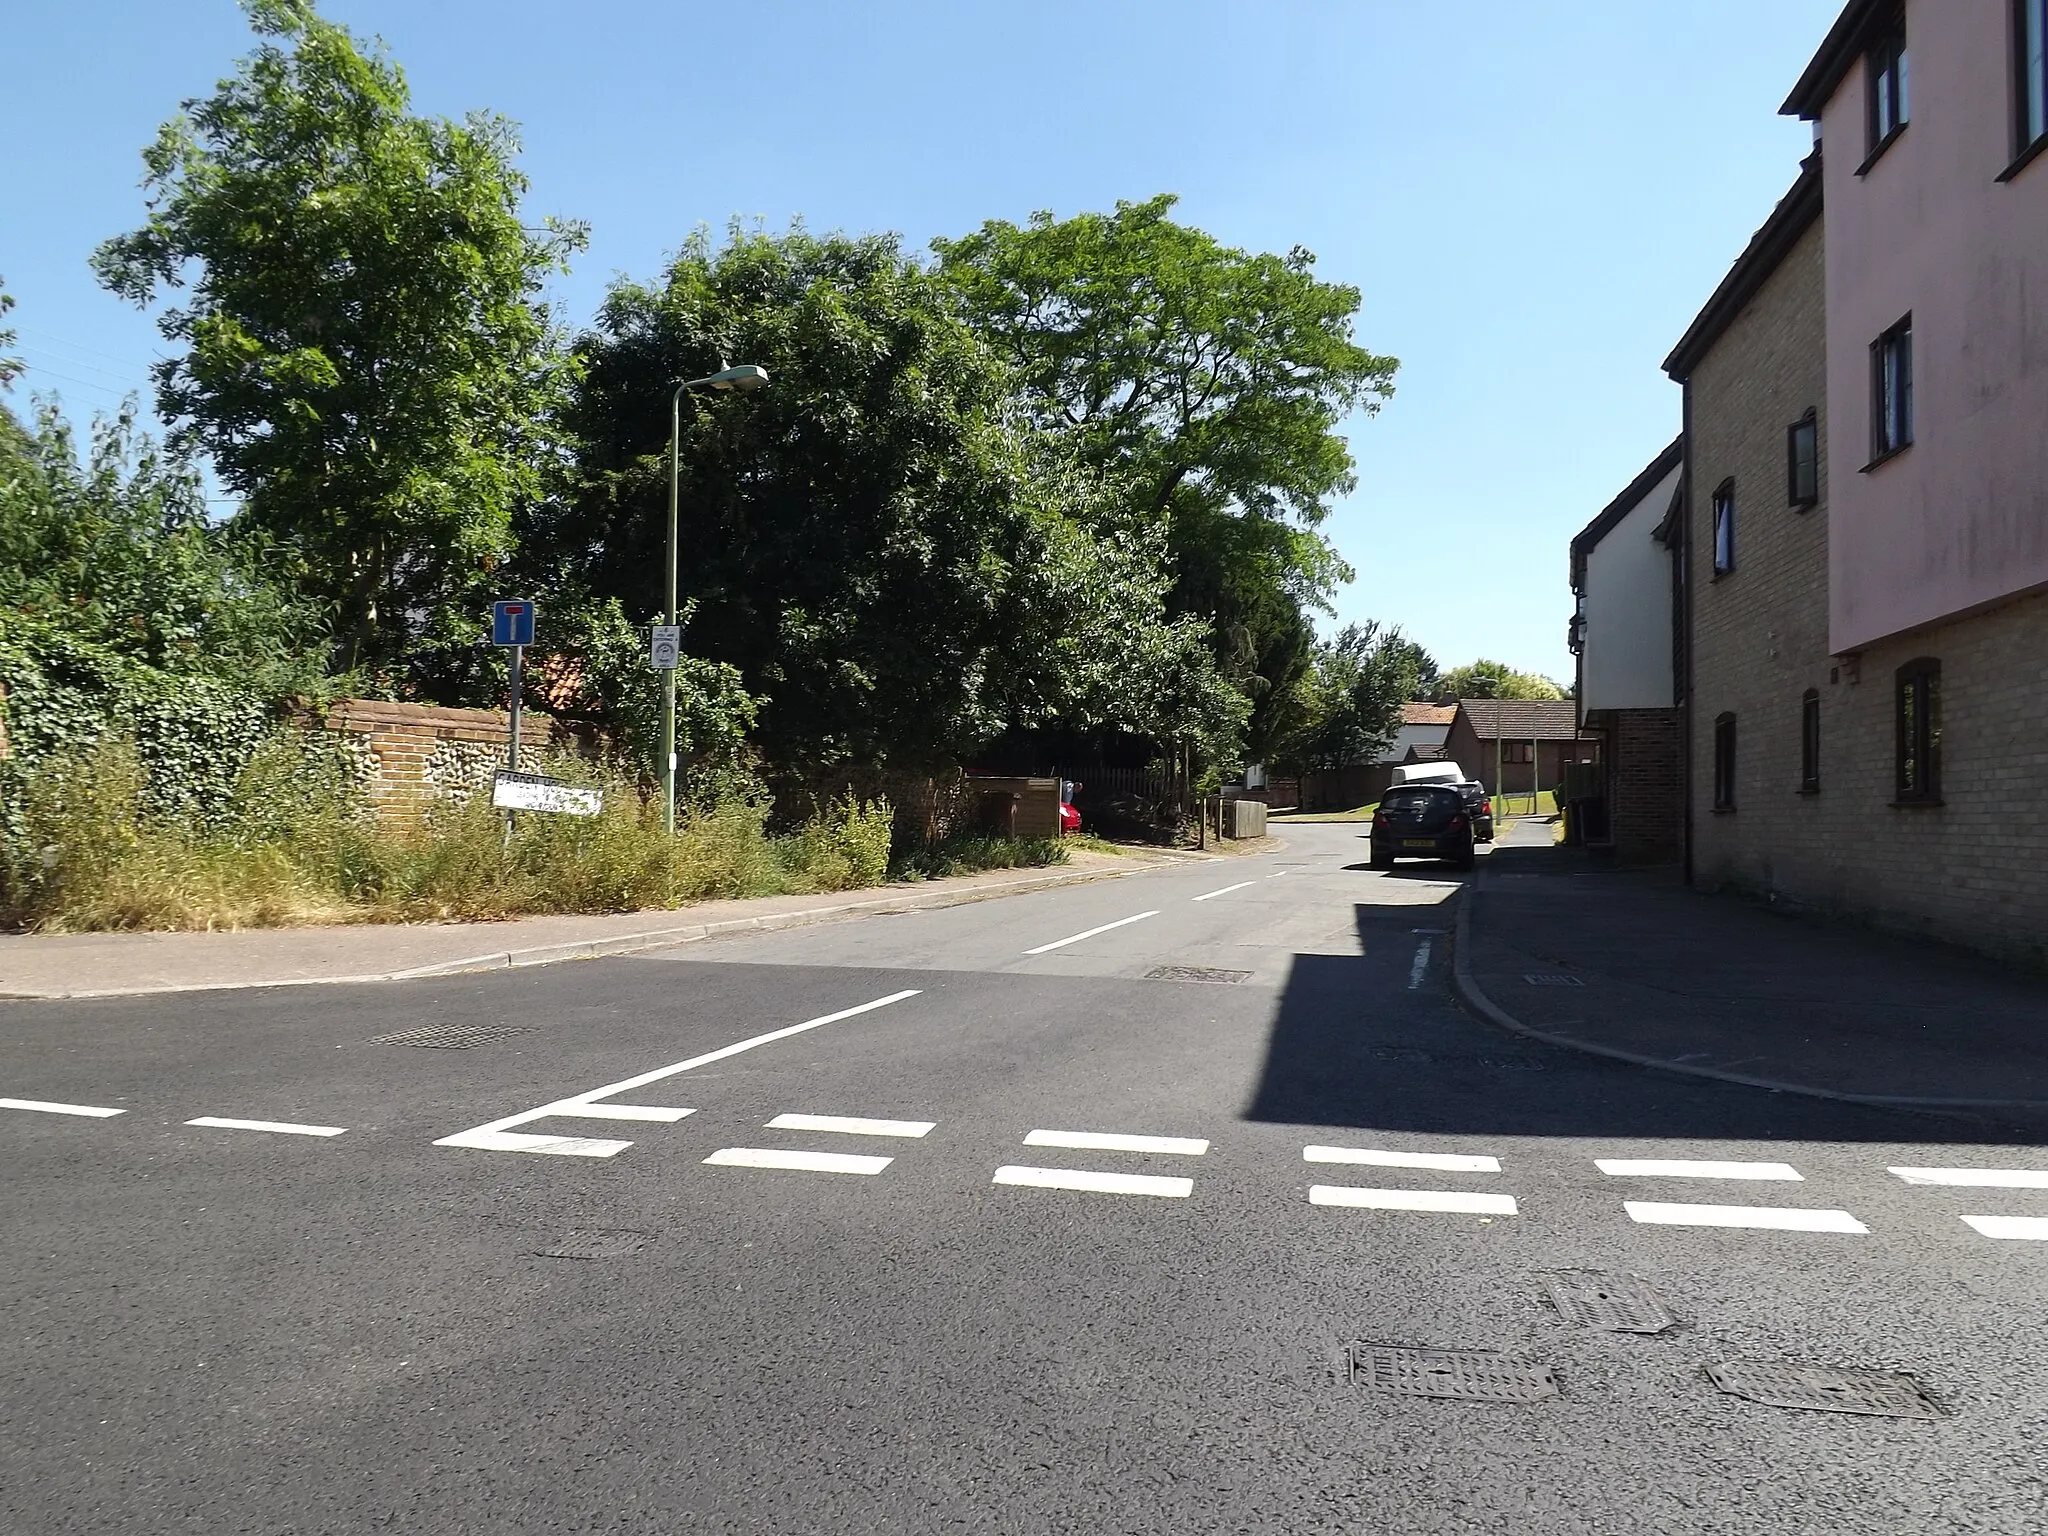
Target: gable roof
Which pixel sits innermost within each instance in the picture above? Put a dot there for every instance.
(1847, 41)
(1619, 508)
(1796, 213)
(1428, 714)
(1522, 719)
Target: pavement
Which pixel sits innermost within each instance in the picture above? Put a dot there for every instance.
(1125, 1207)
(1635, 966)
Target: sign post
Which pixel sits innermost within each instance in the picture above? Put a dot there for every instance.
(512, 626)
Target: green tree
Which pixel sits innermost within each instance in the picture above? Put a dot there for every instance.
(10, 367)
(1214, 380)
(897, 564)
(1494, 680)
(362, 353)
(1352, 696)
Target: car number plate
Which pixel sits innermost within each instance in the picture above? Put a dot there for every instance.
(1418, 842)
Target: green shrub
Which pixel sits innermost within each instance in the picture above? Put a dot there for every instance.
(970, 854)
(844, 847)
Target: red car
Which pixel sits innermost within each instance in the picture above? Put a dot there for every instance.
(1070, 819)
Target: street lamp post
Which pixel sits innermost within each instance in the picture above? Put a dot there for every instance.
(744, 379)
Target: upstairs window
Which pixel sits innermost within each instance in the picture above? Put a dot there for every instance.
(2030, 36)
(1809, 742)
(1724, 528)
(1802, 458)
(1917, 717)
(1517, 752)
(1885, 68)
(1724, 763)
(1891, 391)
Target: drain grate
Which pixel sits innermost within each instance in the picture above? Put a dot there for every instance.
(1471, 1375)
(452, 1037)
(1194, 973)
(1552, 979)
(1611, 1303)
(596, 1245)
(1891, 1394)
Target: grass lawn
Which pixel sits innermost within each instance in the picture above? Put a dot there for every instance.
(1363, 813)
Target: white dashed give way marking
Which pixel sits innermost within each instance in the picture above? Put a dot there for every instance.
(60, 1109)
(498, 1135)
(1443, 1162)
(1420, 969)
(1099, 1183)
(1670, 1168)
(1101, 1141)
(851, 1125)
(1462, 1202)
(809, 1162)
(1772, 1218)
(1075, 938)
(1976, 1178)
(282, 1127)
(2031, 1228)
(1212, 895)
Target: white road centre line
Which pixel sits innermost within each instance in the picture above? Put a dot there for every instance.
(1097, 1183)
(1457, 1202)
(1122, 922)
(1109, 1141)
(1421, 967)
(2026, 1228)
(1678, 1168)
(804, 1162)
(1975, 1178)
(1212, 895)
(1281, 876)
(1771, 1218)
(851, 1125)
(661, 1114)
(60, 1109)
(282, 1127)
(498, 1135)
(1445, 1162)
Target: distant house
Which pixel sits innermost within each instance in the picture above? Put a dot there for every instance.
(1419, 737)
(1423, 726)
(1515, 746)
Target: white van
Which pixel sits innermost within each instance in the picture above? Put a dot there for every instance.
(1429, 773)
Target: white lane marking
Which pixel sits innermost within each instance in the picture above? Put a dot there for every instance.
(1122, 922)
(497, 1135)
(1446, 1162)
(1281, 876)
(1212, 895)
(1109, 1141)
(1678, 1168)
(2026, 1228)
(1421, 967)
(806, 1162)
(1456, 1201)
(1975, 1178)
(282, 1127)
(1099, 1183)
(60, 1109)
(851, 1125)
(1774, 1218)
(662, 1114)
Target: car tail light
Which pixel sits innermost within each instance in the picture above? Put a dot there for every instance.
(1379, 818)
(1458, 823)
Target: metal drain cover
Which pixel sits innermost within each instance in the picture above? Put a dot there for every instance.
(452, 1037)
(1194, 973)
(1472, 1375)
(1891, 1394)
(596, 1245)
(1552, 979)
(1612, 1303)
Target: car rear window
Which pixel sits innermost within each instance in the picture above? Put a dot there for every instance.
(1416, 799)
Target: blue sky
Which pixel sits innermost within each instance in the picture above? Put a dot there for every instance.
(1534, 206)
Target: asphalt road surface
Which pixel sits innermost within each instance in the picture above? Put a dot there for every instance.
(1106, 1209)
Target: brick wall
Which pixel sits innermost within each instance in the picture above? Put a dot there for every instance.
(1973, 870)
(410, 754)
(1645, 779)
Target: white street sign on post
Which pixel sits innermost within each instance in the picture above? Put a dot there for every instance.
(537, 792)
(668, 644)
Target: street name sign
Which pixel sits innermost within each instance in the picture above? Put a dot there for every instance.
(537, 792)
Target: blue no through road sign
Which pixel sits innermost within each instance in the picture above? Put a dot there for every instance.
(512, 622)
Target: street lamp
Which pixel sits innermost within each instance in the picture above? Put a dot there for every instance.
(744, 379)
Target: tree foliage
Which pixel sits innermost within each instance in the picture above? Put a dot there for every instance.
(1495, 680)
(361, 350)
(1352, 697)
(896, 563)
(10, 367)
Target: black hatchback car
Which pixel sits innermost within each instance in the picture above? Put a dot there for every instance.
(1422, 821)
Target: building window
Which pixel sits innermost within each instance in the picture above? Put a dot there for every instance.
(1891, 391)
(1802, 457)
(2030, 35)
(1917, 713)
(1809, 743)
(1724, 763)
(1724, 528)
(1886, 69)
(1517, 752)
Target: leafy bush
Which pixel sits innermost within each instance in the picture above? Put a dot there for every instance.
(844, 847)
(968, 855)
